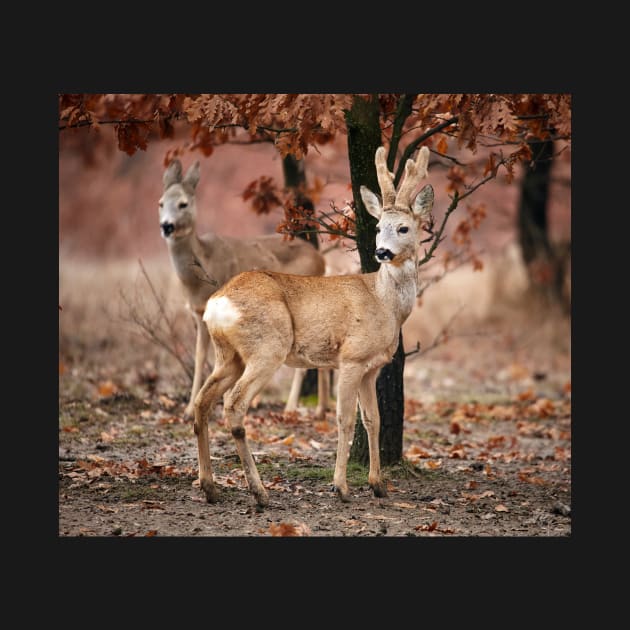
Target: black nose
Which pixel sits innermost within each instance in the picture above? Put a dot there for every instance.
(167, 228)
(383, 254)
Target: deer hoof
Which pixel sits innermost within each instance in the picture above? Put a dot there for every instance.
(344, 495)
(379, 489)
(262, 499)
(210, 490)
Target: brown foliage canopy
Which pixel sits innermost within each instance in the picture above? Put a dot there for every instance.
(294, 122)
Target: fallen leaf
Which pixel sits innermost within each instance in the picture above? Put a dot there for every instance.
(433, 464)
(62, 367)
(455, 427)
(415, 452)
(165, 401)
(107, 437)
(288, 440)
(151, 532)
(501, 508)
(169, 420)
(528, 394)
(70, 429)
(324, 426)
(288, 529)
(106, 508)
(107, 388)
(407, 506)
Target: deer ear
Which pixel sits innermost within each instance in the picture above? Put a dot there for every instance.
(371, 202)
(173, 174)
(192, 176)
(423, 203)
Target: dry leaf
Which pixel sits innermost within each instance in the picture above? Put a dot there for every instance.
(288, 529)
(407, 506)
(528, 394)
(166, 402)
(433, 464)
(107, 437)
(288, 440)
(501, 508)
(151, 532)
(107, 388)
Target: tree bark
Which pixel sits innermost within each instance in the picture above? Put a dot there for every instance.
(545, 267)
(364, 137)
(295, 179)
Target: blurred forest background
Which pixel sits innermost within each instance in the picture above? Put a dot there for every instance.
(114, 270)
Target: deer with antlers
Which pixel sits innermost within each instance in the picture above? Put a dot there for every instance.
(205, 263)
(262, 319)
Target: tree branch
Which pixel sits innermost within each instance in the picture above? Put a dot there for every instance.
(402, 113)
(438, 238)
(412, 146)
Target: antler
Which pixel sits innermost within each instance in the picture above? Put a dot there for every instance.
(385, 178)
(414, 172)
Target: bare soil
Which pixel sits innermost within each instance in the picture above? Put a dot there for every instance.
(487, 446)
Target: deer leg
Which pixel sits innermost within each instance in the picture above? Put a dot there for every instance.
(294, 393)
(221, 379)
(201, 351)
(348, 384)
(323, 393)
(237, 402)
(371, 421)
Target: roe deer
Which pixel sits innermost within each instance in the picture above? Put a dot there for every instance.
(204, 263)
(261, 319)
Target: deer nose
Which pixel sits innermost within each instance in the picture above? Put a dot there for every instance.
(167, 228)
(383, 254)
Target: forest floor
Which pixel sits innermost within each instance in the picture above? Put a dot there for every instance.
(487, 444)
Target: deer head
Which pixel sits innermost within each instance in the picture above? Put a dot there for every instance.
(177, 205)
(399, 218)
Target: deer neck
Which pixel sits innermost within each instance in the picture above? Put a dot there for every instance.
(396, 287)
(186, 256)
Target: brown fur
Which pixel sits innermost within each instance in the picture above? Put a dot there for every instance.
(260, 320)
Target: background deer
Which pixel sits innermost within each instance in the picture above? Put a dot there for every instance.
(260, 320)
(204, 263)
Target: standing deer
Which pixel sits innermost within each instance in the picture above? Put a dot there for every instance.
(205, 263)
(261, 319)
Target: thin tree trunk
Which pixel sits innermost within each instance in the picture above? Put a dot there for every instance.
(295, 179)
(364, 137)
(545, 267)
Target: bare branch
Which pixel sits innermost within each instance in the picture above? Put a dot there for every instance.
(438, 237)
(411, 147)
(441, 338)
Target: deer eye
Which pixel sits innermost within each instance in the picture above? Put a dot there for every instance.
(182, 204)
(403, 230)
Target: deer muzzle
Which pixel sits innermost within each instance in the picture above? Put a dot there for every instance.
(167, 228)
(382, 254)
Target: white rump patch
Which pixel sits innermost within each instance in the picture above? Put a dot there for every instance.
(220, 312)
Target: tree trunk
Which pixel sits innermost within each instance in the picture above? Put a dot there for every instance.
(545, 267)
(364, 137)
(295, 179)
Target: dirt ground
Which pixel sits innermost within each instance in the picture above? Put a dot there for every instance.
(487, 441)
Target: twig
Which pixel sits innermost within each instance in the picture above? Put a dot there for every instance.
(411, 147)
(440, 338)
(438, 237)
